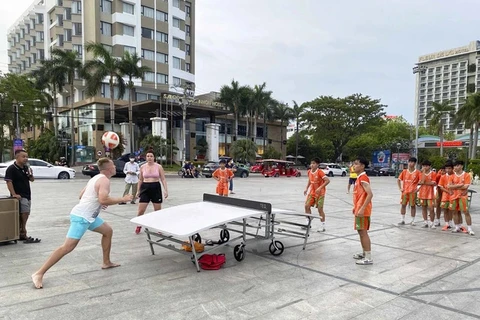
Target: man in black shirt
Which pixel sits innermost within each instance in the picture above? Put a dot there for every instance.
(18, 177)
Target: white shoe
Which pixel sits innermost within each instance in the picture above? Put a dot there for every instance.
(412, 223)
(425, 225)
(470, 232)
(358, 256)
(364, 262)
(321, 229)
(432, 226)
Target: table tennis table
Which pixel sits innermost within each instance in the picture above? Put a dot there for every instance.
(187, 221)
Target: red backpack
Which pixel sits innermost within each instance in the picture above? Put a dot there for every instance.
(211, 261)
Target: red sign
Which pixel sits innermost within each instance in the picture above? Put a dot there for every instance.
(451, 144)
(402, 156)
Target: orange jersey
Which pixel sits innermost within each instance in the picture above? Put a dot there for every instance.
(360, 195)
(426, 191)
(224, 175)
(463, 178)
(316, 180)
(410, 180)
(443, 183)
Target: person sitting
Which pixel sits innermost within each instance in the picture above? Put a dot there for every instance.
(187, 170)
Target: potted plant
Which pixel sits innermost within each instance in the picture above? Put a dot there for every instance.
(201, 147)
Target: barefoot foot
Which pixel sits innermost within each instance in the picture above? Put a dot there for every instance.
(37, 280)
(110, 265)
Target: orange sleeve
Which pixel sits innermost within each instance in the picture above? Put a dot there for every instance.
(434, 177)
(468, 179)
(402, 175)
(321, 173)
(215, 174)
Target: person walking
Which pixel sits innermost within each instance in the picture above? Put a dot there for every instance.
(84, 216)
(352, 178)
(131, 170)
(18, 177)
(231, 165)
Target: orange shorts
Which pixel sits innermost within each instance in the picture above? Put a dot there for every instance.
(315, 201)
(460, 204)
(362, 223)
(222, 188)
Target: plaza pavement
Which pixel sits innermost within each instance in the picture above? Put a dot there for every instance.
(417, 273)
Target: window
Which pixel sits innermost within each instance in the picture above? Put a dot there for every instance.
(32, 23)
(128, 8)
(130, 50)
(67, 14)
(176, 22)
(128, 30)
(188, 9)
(147, 33)
(148, 12)
(162, 78)
(77, 28)
(148, 54)
(28, 28)
(162, 37)
(60, 39)
(76, 7)
(68, 34)
(187, 49)
(78, 48)
(177, 63)
(176, 43)
(142, 96)
(22, 33)
(27, 45)
(60, 3)
(176, 3)
(34, 58)
(41, 54)
(187, 29)
(39, 18)
(177, 82)
(162, 58)
(149, 76)
(106, 6)
(162, 16)
(39, 36)
(188, 67)
(22, 49)
(106, 28)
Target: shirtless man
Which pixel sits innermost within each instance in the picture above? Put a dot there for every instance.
(84, 215)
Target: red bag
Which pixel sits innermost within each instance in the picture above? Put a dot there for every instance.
(211, 261)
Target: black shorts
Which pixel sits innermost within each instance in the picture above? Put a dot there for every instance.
(151, 192)
(352, 180)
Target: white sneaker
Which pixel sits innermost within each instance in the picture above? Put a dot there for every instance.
(321, 229)
(364, 262)
(412, 223)
(432, 226)
(470, 232)
(425, 225)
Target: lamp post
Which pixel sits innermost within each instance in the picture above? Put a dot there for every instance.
(18, 104)
(398, 159)
(418, 70)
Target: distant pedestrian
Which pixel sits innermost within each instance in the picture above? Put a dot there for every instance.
(131, 170)
(351, 179)
(231, 165)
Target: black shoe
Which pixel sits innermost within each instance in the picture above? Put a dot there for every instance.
(122, 203)
(133, 202)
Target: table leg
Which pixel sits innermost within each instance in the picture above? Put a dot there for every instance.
(192, 243)
(150, 241)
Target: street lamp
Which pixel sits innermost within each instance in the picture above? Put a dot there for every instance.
(18, 104)
(418, 70)
(398, 159)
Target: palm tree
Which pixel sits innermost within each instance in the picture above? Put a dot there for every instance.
(267, 114)
(246, 107)
(244, 150)
(104, 65)
(231, 96)
(297, 114)
(129, 66)
(68, 64)
(260, 100)
(436, 115)
(283, 113)
(470, 114)
(52, 79)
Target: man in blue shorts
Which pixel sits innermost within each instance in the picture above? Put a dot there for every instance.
(94, 197)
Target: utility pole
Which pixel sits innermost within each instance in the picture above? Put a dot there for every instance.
(418, 70)
(188, 94)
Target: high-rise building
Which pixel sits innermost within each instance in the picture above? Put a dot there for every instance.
(448, 75)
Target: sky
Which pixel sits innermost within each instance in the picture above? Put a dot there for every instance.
(303, 49)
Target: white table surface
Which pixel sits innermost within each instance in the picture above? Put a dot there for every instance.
(187, 219)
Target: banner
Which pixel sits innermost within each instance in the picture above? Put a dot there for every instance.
(381, 158)
(402, 156)
(17, 144)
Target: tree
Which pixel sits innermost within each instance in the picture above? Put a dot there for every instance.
(260, 101)
(244, 150)
(68, 64)
(202, 147)
(272, 153)
(340, 119)
(231, 96)
(129, 66)
(160, 147)
(267, 114)
(283, 113)
(297, 115)
(469, 113)
(104, 65)
(436, 115)
(46, 147)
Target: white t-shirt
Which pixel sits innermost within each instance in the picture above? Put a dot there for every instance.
(89, 207)
(131, 167)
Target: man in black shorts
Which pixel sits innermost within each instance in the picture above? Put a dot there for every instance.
(18, 177)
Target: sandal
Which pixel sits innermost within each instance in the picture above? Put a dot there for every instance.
(32, 240)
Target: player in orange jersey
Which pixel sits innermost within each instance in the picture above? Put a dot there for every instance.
(223, 176)
(438, 197)
(362, 202)
(445, 198)
(426, 194)
(407, 184)
(458, 184)
(315, 191)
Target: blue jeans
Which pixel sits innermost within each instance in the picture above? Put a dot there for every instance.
(231, 185)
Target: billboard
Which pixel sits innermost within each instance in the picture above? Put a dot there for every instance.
(381, 158)
(403, 157)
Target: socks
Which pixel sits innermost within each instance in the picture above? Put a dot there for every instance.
(403, 217)
(368, 255)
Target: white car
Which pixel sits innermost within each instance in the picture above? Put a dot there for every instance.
(42, 170)
(332, 169)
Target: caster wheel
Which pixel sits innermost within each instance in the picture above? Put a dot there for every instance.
(196, 237)
(239, 252)
(224, 235)
(276, 248)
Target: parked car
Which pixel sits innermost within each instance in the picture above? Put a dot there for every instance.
(387, 172)
(257, 167)
(373, 172)
(42, 170)
(332, 169)
(211, 166)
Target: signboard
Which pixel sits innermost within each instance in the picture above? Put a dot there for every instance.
(208, 103)
(17, 144)
(381, 158)
(402, 157)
